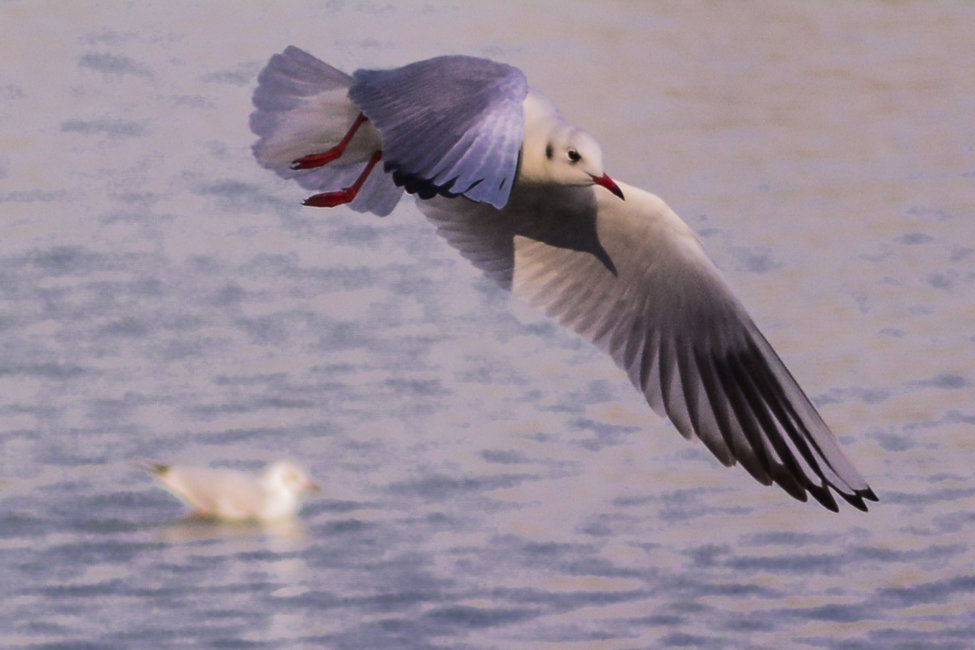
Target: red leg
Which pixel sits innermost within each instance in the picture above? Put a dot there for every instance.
(346, 195)
(319, 159)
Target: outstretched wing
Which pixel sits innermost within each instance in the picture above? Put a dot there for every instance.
(632, 278)
(451, 125)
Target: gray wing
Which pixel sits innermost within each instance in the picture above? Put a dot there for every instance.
(216, 492)
(451, 125)
(632, 278)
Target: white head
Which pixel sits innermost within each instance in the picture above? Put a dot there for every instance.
(285, 476)
(569, 156)
(556, 152)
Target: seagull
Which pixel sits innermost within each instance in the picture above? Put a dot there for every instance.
(228, 495)
(524, 197)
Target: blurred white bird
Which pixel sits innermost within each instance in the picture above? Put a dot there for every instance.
(229, 495)
(523, 196)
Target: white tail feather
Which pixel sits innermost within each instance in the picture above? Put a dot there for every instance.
(302, 108)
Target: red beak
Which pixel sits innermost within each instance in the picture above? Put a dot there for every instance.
(608, 183)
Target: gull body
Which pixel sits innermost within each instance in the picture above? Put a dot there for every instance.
(524, 197)
(229, 495)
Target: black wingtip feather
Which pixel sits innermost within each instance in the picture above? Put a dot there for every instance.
(822, 494)
(787, 473)
(857, 499)
(151, 466)
(759, 467)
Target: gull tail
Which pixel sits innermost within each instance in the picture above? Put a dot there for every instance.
(152, 467)
(301, 109)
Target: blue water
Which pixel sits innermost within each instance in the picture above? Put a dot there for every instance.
(490, 481)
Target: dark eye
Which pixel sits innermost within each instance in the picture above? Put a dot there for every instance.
(574, 156)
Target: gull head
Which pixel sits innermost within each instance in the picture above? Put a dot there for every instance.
(573, 157)
(286, 477)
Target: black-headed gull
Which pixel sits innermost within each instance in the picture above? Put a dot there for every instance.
(524, 197)
(229, 495)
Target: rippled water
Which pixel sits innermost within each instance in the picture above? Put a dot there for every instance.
(490, 480)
